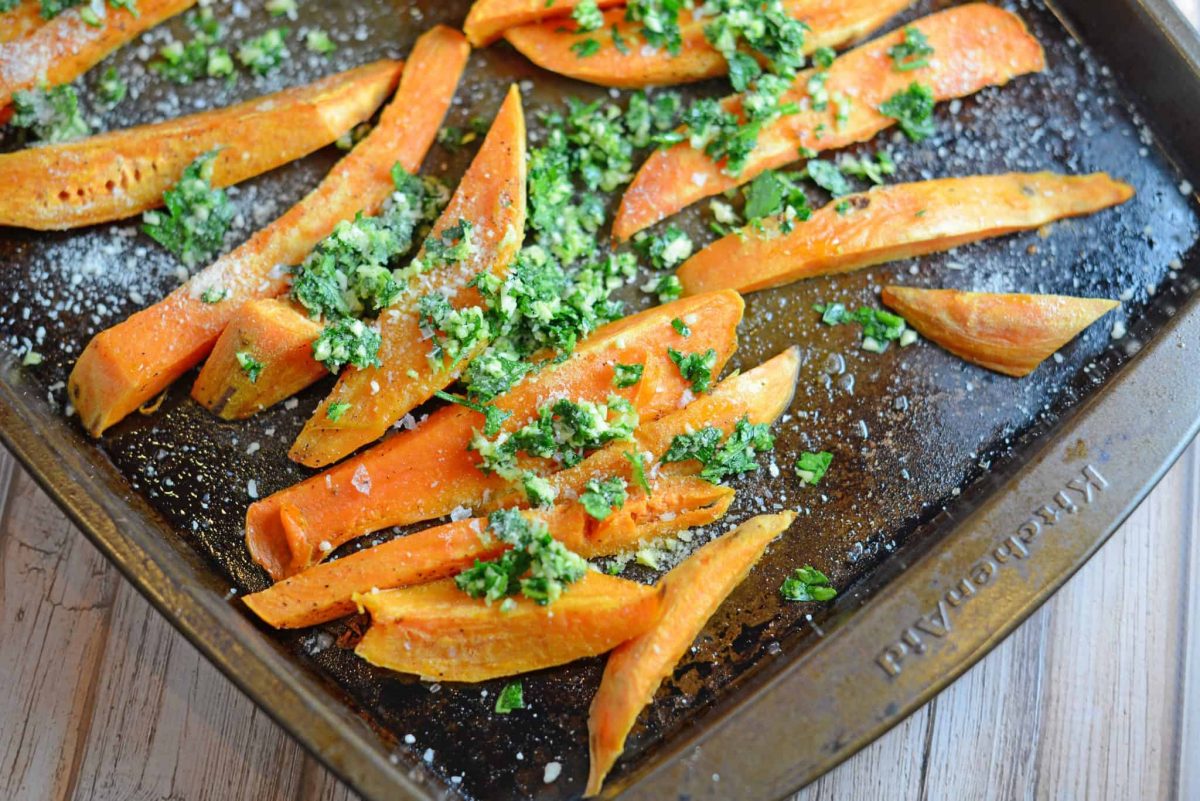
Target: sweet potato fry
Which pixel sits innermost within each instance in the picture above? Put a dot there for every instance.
(63, 48)
(694, 591)
(488, 19)
(23, 19)
(277, 339)
(896, 222)
(324, 591)
(123, 173)
(833, 23)
(761, 394)
(437, 631)
(426, 473)
(1009, 333)
(130, 363)
(491, 196)
(975, 46)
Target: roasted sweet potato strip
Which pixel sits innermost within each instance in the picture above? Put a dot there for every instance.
(761, 395)
(491, 196)
(130, 363)
(123, 173)
(1009, 333)
(20, 21)
(975, 46)
(694, 590)
(324, 591)
(896, 222)
(278, 337)
(437, 631)
(833, 23)
(63, 48)
(426, 473)
(488, 19)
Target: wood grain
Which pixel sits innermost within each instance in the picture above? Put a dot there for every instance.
(1096, 696)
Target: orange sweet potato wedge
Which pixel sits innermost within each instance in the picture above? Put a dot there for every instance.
(125, 366)
(1009, 333)
(694, 590)
(324, 591)
(61, 49)
(761, 395)
(896, 222)
(123, 173)
(438, 632)
(278, 337)
(975, 46)
(424, 474)
(488, 19)
(23, 19)
(833, 23)
(491, 196)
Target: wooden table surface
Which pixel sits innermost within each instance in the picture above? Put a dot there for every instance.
(1096, 696)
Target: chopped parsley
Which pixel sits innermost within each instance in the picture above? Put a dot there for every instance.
(52, 8)
(585, 47)
(196, 217)
(911, 54)
(251, 366)
(879, 327)
(626, 375)
(454, 138)
(199, 57)
(811, 467)
(587, 16)
(717, 460)
(214, 294)
(638, 469)
(494, 416)
(510, 698)
(912, 108)
(681, 328)
(660, 22)
(317, 41)
(262, 54)
(873, 171)
(696, 368)
(826, 175)
(336, 410)
(538, 566)
(281, 8)
(666, 250)
(742, 28)
(111, 88)
(51, 115)
(667, 287)
(350, 272)
(807, 584)
(457, 334)
(347, 341)
(823, 57)
(601, 498)
(773, 194)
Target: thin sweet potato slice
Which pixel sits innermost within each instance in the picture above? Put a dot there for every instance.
(127, 365)
(491, 196)
(122, 173)
(833, 23)
(896, 222)
(324, 591)
(438, 632)
(26, 17)
(694, 591)
(263, 356)
(975, 46)
(63, 48)
(1009, 333)
(488, 19)
(426, 473)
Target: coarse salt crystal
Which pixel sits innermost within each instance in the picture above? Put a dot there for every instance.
(553, 771)
(252, 488)
(362, 480)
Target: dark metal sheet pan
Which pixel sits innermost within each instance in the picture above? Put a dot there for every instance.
(962, 499)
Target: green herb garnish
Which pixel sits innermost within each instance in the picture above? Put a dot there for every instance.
(879, 327)
(912, 109)
(717, 460)
(811, 467)
(51, 115)
(510, 698)
(681, 327)
(807, 584)
(911, 54)
(196, 217)
(347, 341)
(537, 566)
(626, 375)
(317, 41)
(336, 410)
(638, 468)
(111, 88)
(696, 368)
(601, 498)
(262, 54)
(251, 366)
(494, 416)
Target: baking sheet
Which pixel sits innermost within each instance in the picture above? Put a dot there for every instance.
(910, 429)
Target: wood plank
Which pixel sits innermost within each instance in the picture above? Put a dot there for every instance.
(56, 594)
(168, 725)
(891, 767)
(1187, 754)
